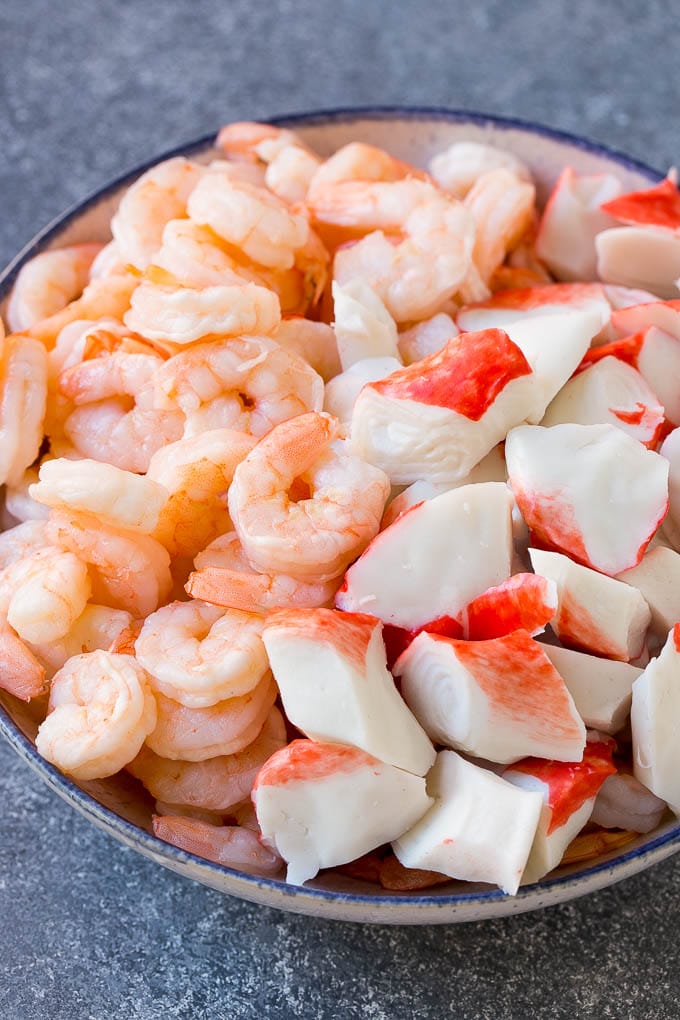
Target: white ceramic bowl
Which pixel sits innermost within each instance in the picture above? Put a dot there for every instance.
(119, 805)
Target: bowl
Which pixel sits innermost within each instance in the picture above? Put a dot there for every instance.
(119, 805)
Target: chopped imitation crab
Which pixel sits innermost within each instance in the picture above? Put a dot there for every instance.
(590, 491)
(461, 694)
(342, 391)
(610, 392)
(523, 602)
(568, 790)
(363, 326)
(670, 450)
(657, 578)
(571, 220)
(654, 722)
(480, 828)
(658, 206)
(331, 673)
(640, 256)
(595, 613)
(601, 688)
(320, 805)
(434, 559)
(508, 306)
(665, 315)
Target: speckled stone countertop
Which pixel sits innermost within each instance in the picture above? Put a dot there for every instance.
(89, 930)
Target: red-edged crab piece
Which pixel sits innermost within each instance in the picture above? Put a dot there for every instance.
(507, 306)
(658, 206)
(654, 723)
(589, 491)
(523, 602)
(601, 688)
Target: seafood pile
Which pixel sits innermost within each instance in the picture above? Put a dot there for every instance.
(342, 509)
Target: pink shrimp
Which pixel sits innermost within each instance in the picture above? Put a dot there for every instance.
(230, 845)
(48, 283)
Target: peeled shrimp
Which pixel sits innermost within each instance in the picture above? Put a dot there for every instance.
(360, 162)
(199, 654)
(101, 709)
(182, 315)
(290, 164)
(129, 571)
(196, 473)
(502, 206)
(458, 168)
(116, 497)
(44, 593)
(224, 577)
(21, 674)
(22, 540)
(194, 734)
(229, 845)
(217, 784)
(159, 195)
(97, 627)
(250, 384)
(315, 538)
(23, 398)
(416, 275)
(313, 341)
(105, 297)
(47, 283)
(19, 503)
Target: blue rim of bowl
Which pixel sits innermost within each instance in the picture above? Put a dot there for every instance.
(150, 844)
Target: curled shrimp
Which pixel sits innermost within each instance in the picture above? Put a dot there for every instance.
(103, 298)
(194, 734)
(48, 283)
(217, 784)
(97, 627)
(103, 426)
(196, 473)
(229, 845)
(159, 195)
(250, 218)
(358, 161)
(23, 399)
(44, 593)
(182, 315)
(224, 577)
(100, 711)
(21, 674)
(116, 497)
(199, 654)
(250, 383)
(313, 341)
(458, 168)
(128, 570)
(22, 540)
(315, 538)
(19, 503)
(427, 263)
(290, 165)
(502, 206)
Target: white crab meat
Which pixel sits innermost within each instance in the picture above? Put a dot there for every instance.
(637, 318)
(434, 559)
(670, 449)
(624, 803)
(610, 392)
(342, 391)
(363, 326)
(595, 613)
(459, 167)
(426, 337)
(479, 829)
(321, 805)
(601, 688)
(332, 676)
(571, 220)
(516, 304)
(640, 256)
(500, 699)
(568, 790)
(654, 718)
(657, 578)
(588, 490)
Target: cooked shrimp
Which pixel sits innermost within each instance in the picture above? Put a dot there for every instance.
(502, 206)
(360, 162)
(315, 538)
(97, 627)
(194, 734)
(290, 173)
(217, 784)
(199, 654)
(182, 315)
(23, 540)
(103, 426)
(101, 709)
(115, 497)
(414, 276)
(159, 195)
(229, 845)
(313, 341)
(105, 297)
(20, 504)
(252, 219)
(47, 283)
(250, 384)
(44, 593)
(458, 168)
(129, 571)
(224, 577)
(23, 399)
(196, 473)
(252, 141)
(20, 672)
(108, 262)
(183, 810)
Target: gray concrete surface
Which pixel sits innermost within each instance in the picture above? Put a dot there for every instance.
(88, 929)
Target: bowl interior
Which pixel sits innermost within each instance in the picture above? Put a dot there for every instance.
(120, 805)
